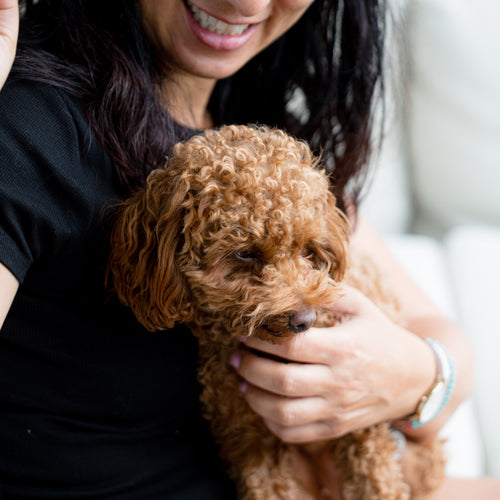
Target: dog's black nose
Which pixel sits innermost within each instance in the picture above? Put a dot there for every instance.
(302, 320)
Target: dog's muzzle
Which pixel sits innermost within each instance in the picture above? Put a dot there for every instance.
(302, 320)
(296, 322)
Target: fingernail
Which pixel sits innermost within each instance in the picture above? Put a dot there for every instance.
(243, 386)
(235, 361)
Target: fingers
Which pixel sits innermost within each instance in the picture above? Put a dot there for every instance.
(302, 348)
(293, 380)
(281, 411)
(312, 346)
(307, 433)
(9, 21)
(285, 395)
(352, 303)
(310, 432)
(293, 420)
(301, 420)
(298, 402)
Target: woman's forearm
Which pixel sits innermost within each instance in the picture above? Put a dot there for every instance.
(423, 318)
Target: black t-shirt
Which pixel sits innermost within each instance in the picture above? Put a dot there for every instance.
(91, 404)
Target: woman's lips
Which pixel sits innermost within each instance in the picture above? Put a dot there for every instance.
(216, 33)
(210, 23)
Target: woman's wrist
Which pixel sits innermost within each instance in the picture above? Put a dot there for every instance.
(433, 401)
(457, 346)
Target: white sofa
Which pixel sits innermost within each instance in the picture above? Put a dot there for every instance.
(436, 193)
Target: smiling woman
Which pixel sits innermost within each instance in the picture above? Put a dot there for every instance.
(95, 406)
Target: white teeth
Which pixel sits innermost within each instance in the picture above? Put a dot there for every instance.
(215, 25)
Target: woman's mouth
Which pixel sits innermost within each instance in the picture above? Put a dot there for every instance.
(213, 24)
(215, 33)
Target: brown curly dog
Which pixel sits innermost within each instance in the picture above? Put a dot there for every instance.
(240, 235)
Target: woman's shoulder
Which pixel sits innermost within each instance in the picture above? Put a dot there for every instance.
(52, 169)
(18, 91)
(44, 125)
(39, 107)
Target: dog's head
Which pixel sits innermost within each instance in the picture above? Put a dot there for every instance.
(240, 230)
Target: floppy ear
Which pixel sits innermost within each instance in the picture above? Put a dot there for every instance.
(142, 263)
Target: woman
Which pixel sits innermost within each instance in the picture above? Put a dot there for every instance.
(91, 405)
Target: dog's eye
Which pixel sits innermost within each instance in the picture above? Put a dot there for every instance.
(246, 255)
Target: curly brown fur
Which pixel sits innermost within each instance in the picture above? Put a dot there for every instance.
(240, 235)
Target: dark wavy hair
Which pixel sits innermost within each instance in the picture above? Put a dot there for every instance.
(318, 81)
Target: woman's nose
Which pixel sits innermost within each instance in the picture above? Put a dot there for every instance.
(249, 8)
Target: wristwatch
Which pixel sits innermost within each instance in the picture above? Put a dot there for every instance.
(431, 403)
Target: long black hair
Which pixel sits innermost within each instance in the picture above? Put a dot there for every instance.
(318, 81)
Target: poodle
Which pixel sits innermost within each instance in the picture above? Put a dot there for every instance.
(240, 235)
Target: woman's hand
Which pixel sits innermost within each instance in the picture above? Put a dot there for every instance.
(9, 26)
(362, 371)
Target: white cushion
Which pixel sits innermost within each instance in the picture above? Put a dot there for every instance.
(474, 258)
(454, 119)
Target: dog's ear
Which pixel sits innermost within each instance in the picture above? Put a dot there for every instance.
(338, 238)
(143, 263)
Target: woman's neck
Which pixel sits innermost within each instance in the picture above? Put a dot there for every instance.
(187, 99)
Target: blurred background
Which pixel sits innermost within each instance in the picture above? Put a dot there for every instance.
(435, 193)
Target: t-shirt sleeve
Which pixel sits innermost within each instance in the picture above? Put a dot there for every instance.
(39, 150)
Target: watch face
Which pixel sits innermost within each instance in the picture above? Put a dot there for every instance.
(431, 406)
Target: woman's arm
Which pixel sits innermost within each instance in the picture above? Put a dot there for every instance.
(484, 488)
(9, 25)
(425, 320)
(363, 371)
(8, 289)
